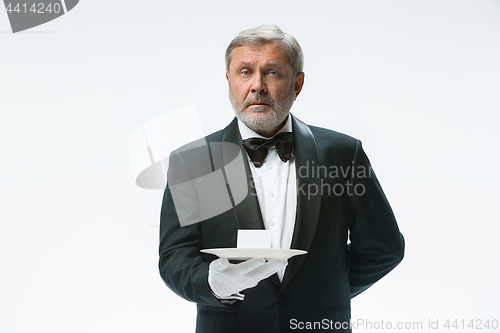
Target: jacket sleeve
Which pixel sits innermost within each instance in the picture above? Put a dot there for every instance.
(376, 245)
(182, 267)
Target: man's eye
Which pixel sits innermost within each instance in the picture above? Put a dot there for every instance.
(245, 73)
(273, 73)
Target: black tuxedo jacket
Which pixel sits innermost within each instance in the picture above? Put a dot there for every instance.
(339, 200)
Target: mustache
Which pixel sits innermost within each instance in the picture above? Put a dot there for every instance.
(258, 98)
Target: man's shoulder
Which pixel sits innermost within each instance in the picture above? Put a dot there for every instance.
(334, 148)
(329, 138)
(328, 133)
(324, 136)
(215, 136)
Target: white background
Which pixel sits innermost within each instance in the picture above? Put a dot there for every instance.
(417, 81)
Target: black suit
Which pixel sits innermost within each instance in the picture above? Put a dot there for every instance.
(316, 286)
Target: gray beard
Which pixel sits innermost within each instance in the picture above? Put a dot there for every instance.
(265, 121)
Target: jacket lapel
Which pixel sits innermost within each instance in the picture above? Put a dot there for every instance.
(247, 213)
(308, 206)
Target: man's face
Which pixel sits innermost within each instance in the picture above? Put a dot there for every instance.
(262, 86)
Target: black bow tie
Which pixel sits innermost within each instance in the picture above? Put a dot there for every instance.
(257, 148)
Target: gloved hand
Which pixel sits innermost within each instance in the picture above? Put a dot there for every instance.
(227, 280)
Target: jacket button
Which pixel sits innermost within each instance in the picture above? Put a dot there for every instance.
(281, 299)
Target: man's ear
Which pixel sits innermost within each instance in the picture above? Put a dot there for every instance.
(299, 82)
(227, 77)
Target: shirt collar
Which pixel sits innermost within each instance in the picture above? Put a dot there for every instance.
(246, 132)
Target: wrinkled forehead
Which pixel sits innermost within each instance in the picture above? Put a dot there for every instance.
(270, 54)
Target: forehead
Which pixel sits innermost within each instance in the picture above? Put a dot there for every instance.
(260, 55)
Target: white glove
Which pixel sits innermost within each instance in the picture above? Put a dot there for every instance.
(227, 280)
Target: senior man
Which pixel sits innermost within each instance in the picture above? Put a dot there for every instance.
(313, 188)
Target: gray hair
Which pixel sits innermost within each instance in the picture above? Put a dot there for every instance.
(268, 33)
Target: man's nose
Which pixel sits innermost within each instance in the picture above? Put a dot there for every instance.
(258, 84)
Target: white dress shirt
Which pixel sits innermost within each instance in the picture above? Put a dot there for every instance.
(275, 185)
